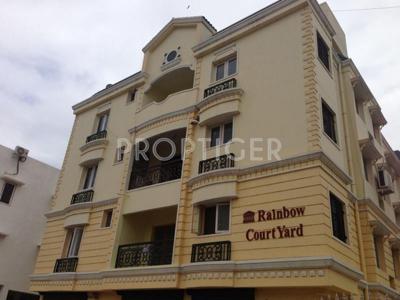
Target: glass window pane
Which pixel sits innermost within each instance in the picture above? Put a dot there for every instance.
(232, 66)
(75, 242)
(227, 132)
(6, 195)
(102, 123)
(223, 217)
(215, 136)
(209, 220)
(220, 72)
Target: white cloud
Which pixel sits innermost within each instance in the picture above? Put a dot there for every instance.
(54, 54)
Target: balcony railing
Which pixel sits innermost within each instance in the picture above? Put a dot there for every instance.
(218, 251)
(66, 265)
(216, 163)
(82, 197)
(97, 136)
(145, 254)
(229, 84)
(148, 176)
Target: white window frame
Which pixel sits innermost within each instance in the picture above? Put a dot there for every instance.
(75, 242)
(225, 62)
(217, 217)
(104, 219)
(120, 154)
(216, 230)
(220, 140)
(102, 122)
(92, 178)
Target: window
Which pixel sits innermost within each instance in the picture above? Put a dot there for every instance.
(103, 120)
(107, 218)
(396, 262)
(221, 134)
(366, 168)
(74, 238)
(6, 194)
(329, 120)
(215, 218)
(120, 154)
(338, 218)
(132, 95)
(90, 177)
(226, 68)
(379, 252)
(323, 52)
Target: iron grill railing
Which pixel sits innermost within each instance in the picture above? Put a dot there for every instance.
(216, 163)
(82, 197)
(145, 254)
(66, 265)
(97, 136)
(229, 84)
(148, 176)
(217, 251)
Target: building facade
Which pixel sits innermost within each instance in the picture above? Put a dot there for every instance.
(280, 185)
(25, 195)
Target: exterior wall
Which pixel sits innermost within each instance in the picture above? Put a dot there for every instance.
(23, 219)
(278, 95)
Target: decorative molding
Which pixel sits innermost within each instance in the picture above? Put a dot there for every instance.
(80, 206)
(281, 268)
(96, 144)
(312, 100)
(261, 169)
(177, 22)
(246, 22)
(384, 289)
(222, 96)
(162, 118)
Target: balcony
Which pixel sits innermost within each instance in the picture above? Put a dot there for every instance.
(145, 254)
(147, 238)
(217, 163)
(229, 84)
(207, 252)
(66, 265)
(82, 197)
(96, 136)
(162, 162)
(220, 101)
(167, 171)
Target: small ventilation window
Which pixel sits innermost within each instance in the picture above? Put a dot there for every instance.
(172, 55)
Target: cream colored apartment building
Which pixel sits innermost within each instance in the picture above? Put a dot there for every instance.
(281, 186)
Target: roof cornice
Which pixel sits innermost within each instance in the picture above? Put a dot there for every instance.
(112, 89)
(259, 15)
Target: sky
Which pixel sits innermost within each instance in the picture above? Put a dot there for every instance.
(54, 54)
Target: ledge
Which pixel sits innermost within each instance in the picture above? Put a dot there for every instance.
(80, 206)
(275, 164)
(310, 267)
(96, 143)
(12, 179)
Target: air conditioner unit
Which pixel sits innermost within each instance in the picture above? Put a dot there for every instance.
(21, 153)
(385, 183)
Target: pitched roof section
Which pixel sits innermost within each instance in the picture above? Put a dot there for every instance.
(177, 22)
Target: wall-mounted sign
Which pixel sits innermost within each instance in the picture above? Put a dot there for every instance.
(277, 232)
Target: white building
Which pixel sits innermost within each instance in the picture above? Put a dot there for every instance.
(24, 199)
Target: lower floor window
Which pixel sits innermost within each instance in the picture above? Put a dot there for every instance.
(73, 242)
(338, 218)
(215, 218)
